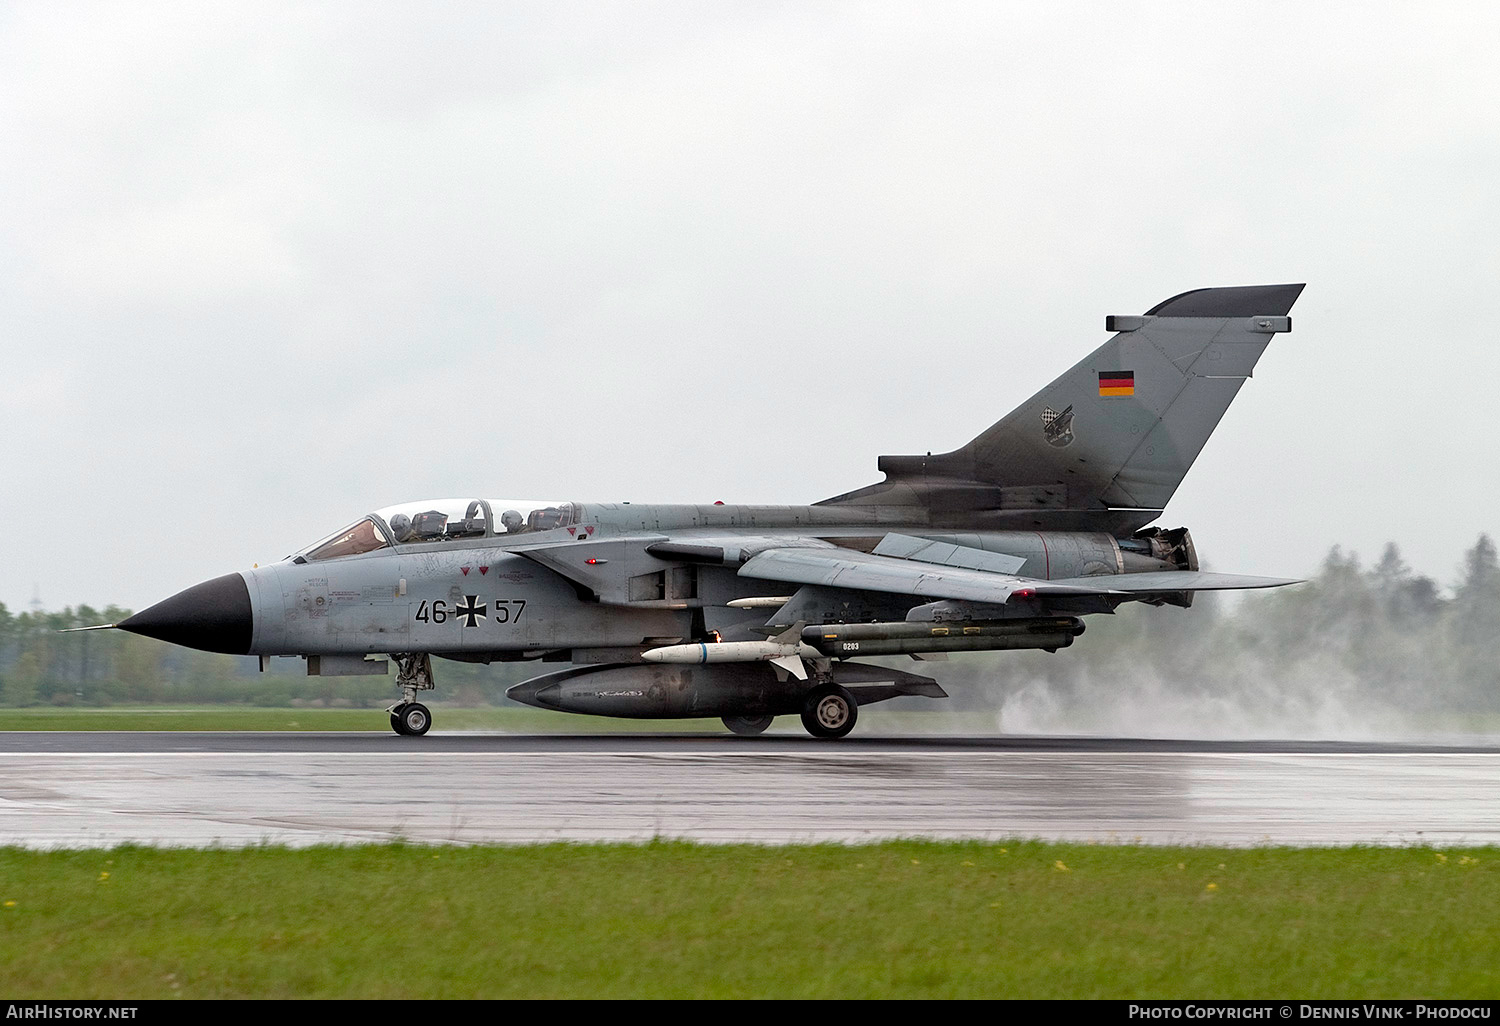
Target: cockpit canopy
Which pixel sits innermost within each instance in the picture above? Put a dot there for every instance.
(437, 521)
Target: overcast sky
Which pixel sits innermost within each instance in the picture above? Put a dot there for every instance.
(266, 267)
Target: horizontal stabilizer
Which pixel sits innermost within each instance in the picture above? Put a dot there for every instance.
(1174, 581)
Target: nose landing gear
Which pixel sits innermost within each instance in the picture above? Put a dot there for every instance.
(409, 717)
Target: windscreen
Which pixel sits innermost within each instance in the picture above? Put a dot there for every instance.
(363, 536)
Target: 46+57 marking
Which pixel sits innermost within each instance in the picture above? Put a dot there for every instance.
(470, 611)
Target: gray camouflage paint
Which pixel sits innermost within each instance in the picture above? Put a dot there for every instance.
(1039, 516)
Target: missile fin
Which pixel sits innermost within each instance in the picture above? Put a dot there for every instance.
(792, 664)
(791, 636)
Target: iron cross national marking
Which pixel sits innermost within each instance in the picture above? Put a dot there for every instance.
(471, 611)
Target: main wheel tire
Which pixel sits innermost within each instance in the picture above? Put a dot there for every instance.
(748, 726)
(396, 724)
(415, 720)
(829, 712)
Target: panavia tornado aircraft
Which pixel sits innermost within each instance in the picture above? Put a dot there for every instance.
(753, 612)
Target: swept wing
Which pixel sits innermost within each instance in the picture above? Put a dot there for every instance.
(838, 568)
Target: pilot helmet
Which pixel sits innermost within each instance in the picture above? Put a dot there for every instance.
(511, 520)
(401, 527)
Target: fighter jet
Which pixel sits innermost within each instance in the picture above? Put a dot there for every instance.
(748, 612)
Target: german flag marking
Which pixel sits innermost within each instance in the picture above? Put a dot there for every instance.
(1116, 383)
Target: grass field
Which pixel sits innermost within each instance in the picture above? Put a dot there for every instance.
(909, 919)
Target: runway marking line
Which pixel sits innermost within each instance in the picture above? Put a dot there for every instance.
(826, 757)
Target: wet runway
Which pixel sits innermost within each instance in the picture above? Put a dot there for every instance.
(229, 789)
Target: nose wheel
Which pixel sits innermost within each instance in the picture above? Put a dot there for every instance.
(411, 719)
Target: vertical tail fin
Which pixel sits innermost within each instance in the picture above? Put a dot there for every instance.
(1120, 429)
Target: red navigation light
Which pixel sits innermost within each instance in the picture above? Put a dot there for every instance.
(718, 502)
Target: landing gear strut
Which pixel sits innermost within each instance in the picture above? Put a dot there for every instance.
(413, 673)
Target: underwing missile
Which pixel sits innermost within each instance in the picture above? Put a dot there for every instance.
(729, 652)
(786, 654)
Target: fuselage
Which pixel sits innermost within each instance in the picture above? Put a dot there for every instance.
(480, 593)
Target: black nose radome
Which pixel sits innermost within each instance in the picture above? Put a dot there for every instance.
(214, 616)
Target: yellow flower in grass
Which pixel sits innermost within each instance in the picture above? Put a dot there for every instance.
(1058, 865)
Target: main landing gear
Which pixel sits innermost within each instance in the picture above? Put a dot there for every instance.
(409, 717)
(748, 726)
(829, 711)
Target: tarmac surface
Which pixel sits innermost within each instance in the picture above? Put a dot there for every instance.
(68, 790)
